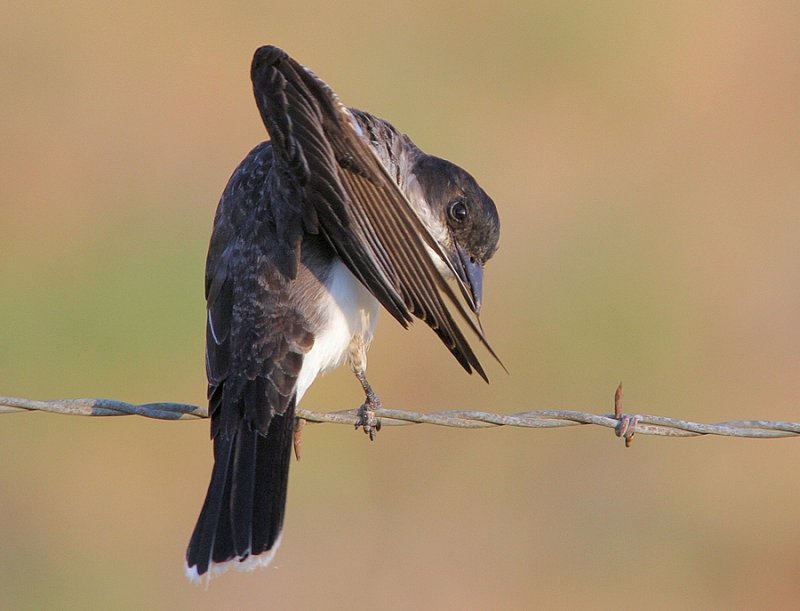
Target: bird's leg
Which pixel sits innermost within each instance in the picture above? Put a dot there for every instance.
(366, 413)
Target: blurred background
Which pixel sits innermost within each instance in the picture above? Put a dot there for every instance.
(645, 160)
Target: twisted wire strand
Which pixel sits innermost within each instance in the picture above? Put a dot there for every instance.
(624, 425)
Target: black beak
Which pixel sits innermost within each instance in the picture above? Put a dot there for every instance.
(472, 276)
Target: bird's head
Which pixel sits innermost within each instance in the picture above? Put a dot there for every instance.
(462, 218)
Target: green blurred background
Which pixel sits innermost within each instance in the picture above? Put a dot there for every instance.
(645, 158)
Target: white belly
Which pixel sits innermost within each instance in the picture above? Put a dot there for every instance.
(349, 310)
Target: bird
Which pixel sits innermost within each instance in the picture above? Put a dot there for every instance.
(335, 217)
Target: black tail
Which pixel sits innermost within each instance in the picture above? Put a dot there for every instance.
(242, 517)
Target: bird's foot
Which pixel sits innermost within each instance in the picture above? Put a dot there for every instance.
(367, 419)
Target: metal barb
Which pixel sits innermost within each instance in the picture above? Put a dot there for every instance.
(627, 424)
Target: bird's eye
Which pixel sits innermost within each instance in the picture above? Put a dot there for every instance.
(458, 211)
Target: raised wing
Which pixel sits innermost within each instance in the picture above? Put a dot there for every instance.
(351, 197)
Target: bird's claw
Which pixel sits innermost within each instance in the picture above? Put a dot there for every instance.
(367, 419)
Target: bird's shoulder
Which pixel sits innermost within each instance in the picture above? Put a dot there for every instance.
(249, 215)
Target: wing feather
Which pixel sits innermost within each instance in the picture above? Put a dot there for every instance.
(361, 210)
(255, 338)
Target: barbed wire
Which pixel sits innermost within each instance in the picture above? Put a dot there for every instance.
(624, 425)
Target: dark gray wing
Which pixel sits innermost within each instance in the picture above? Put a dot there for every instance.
(359, 208)
(255, 340)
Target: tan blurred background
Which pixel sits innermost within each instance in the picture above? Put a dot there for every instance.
(645, 158)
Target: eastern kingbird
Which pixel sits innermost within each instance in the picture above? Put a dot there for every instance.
(335, 216)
